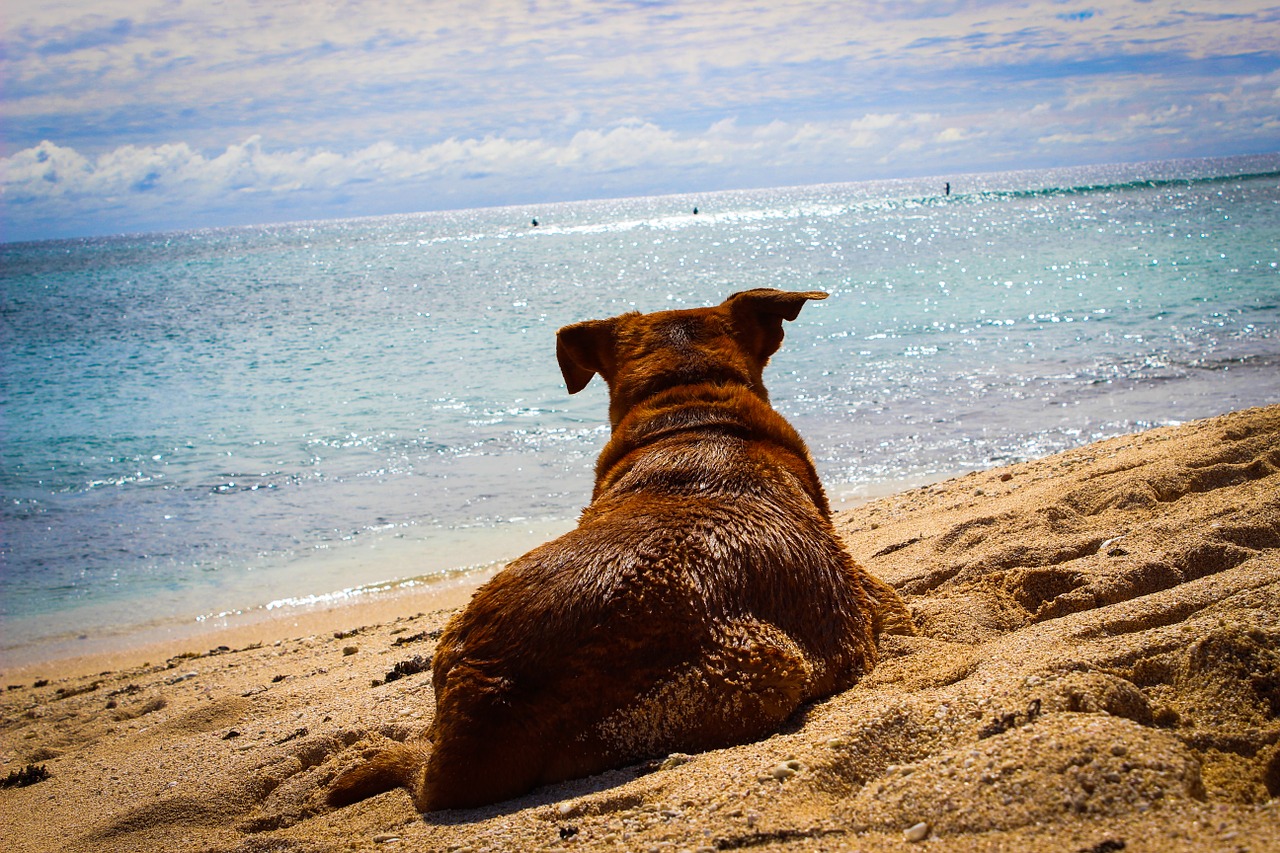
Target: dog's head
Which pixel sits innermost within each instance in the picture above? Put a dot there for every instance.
(639, 355)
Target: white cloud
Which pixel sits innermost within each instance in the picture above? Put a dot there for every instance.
(952, 135)
(49, 179)
(251, 58)
(46, 171)
(151, 105)
(179, 174)
(1074, 139)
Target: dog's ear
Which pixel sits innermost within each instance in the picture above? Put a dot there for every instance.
(758, 315)
(583, 350)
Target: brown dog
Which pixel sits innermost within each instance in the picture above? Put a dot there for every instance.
(703, 597)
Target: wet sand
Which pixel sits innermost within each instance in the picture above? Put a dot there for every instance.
(1097, 669)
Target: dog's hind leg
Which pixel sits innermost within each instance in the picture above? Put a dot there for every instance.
(889, 613)
(745, 681)
(397, 765)
(766, 668)
(461, 771)
(487, 761)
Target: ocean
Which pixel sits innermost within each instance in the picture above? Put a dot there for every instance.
(205, 425)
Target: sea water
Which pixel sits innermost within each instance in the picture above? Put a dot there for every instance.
(208, 423)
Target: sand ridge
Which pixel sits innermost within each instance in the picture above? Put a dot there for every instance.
(1098, 668)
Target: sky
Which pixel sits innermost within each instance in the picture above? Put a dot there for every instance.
(154, 115)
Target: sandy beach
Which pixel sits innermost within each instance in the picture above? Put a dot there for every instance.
(1097, 669)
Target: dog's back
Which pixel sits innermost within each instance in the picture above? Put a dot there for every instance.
(703, 597)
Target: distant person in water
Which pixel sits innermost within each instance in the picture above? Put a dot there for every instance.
(695, 211)
(535, 222)
(947, 191)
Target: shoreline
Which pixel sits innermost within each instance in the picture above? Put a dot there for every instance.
(1095, 668)
(78, 653)
(141, 645)
(361, 576)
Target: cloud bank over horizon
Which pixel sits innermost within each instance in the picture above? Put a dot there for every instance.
(129, 115)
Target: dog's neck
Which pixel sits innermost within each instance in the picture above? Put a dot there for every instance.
(685, 418)
(710, 413)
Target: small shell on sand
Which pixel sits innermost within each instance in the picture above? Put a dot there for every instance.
(919, 832)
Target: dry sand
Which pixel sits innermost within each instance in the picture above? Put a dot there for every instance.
(1097, 669)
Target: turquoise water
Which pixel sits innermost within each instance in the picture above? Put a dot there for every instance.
(212, 422)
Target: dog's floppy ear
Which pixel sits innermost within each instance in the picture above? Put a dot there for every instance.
(583, 350)
(758, 316)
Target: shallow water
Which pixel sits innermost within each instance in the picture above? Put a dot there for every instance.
(208, 422)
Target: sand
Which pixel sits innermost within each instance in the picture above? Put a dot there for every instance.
(1097, 669)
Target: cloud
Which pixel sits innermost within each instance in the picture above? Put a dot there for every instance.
(95, 35)
(49, 180)
(951, 135)
(51, 172)
(247, 66)
(150, 109)
(173, 182)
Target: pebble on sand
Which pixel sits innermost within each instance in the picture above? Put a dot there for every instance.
(782, 771)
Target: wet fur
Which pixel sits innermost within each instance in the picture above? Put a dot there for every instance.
(703, 597)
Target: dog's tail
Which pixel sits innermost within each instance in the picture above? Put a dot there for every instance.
(397, 765)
